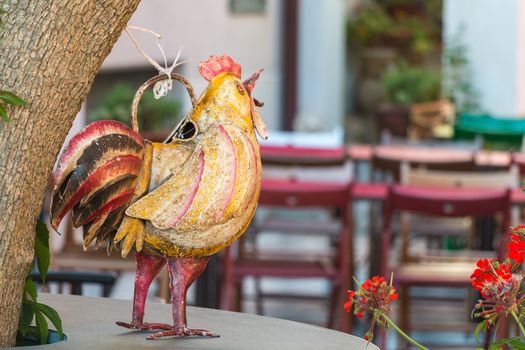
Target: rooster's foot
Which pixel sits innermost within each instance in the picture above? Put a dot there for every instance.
(144, 326)
(183, 332)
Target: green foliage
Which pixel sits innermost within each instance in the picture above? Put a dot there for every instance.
(153, 114)
(407, 85)
(482, 326)
(6, 98)
(31, 309)
(457, 78)
(396, 22)
(508, 343)
(368, 24)
(42, 249)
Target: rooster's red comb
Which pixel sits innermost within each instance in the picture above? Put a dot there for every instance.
(215, 65)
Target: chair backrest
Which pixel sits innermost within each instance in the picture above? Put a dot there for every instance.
(467, 179)
(294, 194)
(389, 159)
(305, 163)
(519, 160)
(445, 202)
(469, 145)
(76, 280)
(497, 132)
(509, 178)
(302, 156)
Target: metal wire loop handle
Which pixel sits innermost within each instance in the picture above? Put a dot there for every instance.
(150, 82)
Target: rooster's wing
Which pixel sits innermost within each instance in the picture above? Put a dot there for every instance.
(209, 188)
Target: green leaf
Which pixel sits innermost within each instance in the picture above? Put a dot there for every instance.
(26, 316)
(495, 346)
(41, 324)
(11, 98)
(42, 249)
(52, 315)
(30, 288)
(3, 114)
(513, 344)
(482, 326)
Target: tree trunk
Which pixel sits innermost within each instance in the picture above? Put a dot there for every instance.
(50, 52)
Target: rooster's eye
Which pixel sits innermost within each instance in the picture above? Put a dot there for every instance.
(239, 87)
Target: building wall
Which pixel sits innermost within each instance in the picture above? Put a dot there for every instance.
(494, 33)
(206, 27)
(321, 86)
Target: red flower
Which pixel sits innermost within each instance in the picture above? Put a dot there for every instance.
(349, 301)
(366, 337)
(373, 297)
(393, 294)
(490, 272)
(348, 306)
(517, 245)
(499, 289)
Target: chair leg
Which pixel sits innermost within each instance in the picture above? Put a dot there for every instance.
(383, 335)
(238, 296)
(345, 320)
(332, 306)
(258, 296)
(404, 308)
(375, 257)
(227, 287)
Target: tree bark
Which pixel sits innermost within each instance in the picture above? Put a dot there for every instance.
(50, 52)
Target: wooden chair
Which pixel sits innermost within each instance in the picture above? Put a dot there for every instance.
(437, 268)
(450, 228)
(290, 191)
(508, 179)
(388, 161)
(386, 168)
(497, 132)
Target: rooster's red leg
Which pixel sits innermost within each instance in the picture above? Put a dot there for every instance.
(183, 271)
(148, 267)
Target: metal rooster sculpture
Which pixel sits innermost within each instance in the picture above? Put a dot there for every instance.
(176, 202)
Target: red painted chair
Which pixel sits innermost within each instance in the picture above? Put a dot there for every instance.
(298, 196)
(386, 164)
(388, 159)
(434, 269)
(302, 156)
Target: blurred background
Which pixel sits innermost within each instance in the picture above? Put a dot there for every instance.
(362, 76)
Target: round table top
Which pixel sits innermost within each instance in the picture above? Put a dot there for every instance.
(90, 324)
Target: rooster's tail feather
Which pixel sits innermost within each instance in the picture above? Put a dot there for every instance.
(96, 177)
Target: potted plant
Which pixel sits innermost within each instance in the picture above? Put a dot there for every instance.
(383, 31)
(156, 117)
(404, 86)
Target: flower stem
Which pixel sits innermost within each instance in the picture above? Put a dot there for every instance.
(518, 322)
(403, 334)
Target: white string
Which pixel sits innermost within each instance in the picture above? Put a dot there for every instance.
(161, 88)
